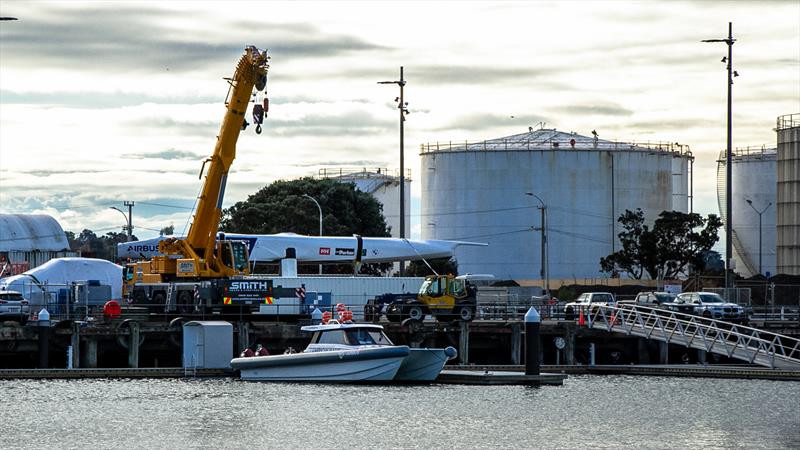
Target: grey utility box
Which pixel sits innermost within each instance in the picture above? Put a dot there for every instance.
(207, 345)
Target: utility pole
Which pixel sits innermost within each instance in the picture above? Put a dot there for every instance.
(728, 162)
(543, 270)
(402, 106)
(130, 218)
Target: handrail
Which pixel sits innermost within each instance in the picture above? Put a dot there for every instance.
(787, 121)
(735, 341)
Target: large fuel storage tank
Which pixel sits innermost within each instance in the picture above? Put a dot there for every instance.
(384, 186)
(788, 198)
(476, 191)
(753, 171)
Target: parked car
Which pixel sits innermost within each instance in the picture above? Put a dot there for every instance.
(653, 299)
(13, 306)
(586, 301)
(709, 305)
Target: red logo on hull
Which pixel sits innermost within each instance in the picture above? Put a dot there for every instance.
(324, 251)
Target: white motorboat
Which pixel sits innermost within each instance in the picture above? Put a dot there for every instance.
(338, 352)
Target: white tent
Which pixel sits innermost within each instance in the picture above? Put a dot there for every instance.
(59, 273)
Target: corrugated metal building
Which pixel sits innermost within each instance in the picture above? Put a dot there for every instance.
(30, 240)
(476, 191)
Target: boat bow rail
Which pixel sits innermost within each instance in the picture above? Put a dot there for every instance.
(715, 336)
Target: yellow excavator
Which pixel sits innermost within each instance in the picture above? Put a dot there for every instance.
(201, 255)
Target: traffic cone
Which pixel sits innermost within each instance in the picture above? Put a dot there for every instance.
(581, 319)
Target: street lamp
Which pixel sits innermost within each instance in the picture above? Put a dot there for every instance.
(728, 160)
(750, 202)
(401, 105)
(543, 271)
(128, 218)
(320, 220)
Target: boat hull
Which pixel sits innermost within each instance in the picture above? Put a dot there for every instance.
(357, 365)
(424, 364)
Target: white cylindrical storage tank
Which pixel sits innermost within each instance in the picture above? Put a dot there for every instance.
(753, 191)
(477, 192)
(788, 195)
(385, 187)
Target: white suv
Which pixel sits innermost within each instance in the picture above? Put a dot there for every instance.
(586, 301)
(13, 306)
(709, 305)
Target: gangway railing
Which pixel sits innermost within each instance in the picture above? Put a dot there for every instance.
(714, 336)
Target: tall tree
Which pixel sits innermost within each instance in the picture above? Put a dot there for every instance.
(677, 242)
(283, 207)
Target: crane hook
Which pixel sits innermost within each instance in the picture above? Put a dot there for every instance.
(258, 129)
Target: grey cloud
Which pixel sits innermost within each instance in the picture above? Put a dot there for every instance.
(605, 110)
(46, 173)
(482, 121)
(134, 39)
(206, 127)
(355, 163)
(165, 154)
(663, 125)
(352, 123)
(95, 100)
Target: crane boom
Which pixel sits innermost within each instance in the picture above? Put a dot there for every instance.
(200, 254)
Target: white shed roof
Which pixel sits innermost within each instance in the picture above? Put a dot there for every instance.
(27, 232)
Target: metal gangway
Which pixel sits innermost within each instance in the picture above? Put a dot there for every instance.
(714, 336)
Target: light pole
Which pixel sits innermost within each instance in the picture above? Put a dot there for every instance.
(750, 202)
(320, 220)
(728, 160)
(401, 105)
(543, 271)
(128, 218)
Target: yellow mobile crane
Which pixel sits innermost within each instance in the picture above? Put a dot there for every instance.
(201, 256)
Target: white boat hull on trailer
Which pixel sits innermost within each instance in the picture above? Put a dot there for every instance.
(318, 249)
(356, 365)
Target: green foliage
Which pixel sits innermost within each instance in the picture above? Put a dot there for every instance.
(677, 242)
(441, 265)
(281, 207)
(92, 246)
(167, 231)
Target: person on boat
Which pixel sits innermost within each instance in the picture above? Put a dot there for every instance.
(261, 351)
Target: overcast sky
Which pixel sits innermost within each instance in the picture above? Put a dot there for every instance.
(102, 102)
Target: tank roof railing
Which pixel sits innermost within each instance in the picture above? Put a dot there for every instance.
(752, 151)
(576, 143)
(788, 121)
(340, 172)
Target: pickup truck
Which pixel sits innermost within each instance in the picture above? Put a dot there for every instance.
(708, 305)
(586, 301)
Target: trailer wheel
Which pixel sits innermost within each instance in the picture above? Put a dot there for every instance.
(465, 313)
(158, 300)
(415, 312)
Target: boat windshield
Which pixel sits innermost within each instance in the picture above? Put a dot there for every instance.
(362, 336)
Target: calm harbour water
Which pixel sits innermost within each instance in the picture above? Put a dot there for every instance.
(600, 412)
